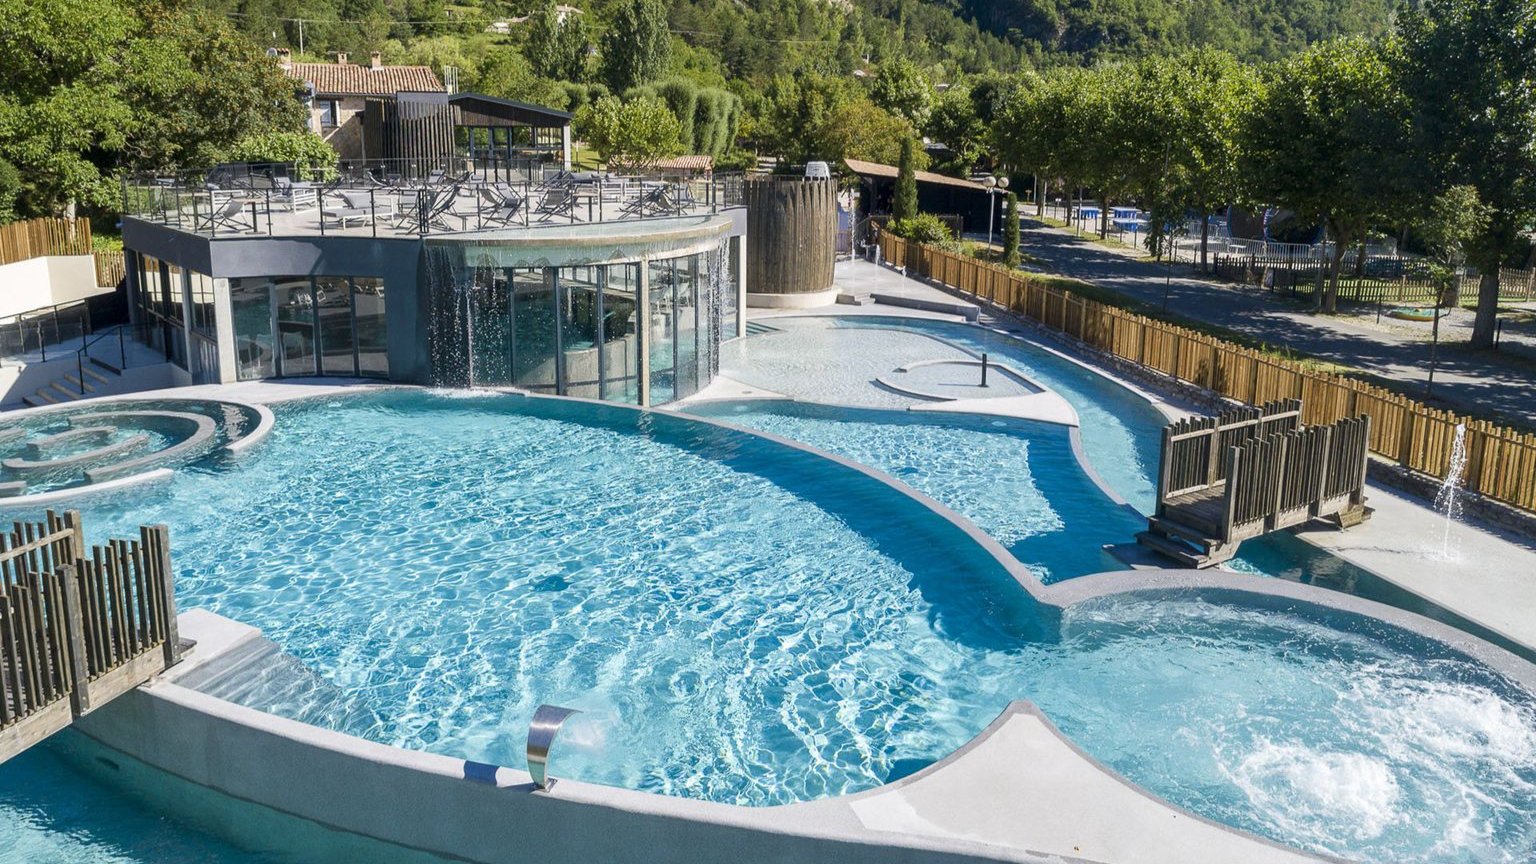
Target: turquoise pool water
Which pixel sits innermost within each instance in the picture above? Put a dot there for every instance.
(834, 361)
(51, 813)
(1019, 481)
(742, 622)
(102, 434)
(978, 466)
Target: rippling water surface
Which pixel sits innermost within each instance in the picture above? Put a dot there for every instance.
(744, 626)
(744, 623)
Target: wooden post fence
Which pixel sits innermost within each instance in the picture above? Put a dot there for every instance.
(1402, 430)
(78, 627)
(35, 238)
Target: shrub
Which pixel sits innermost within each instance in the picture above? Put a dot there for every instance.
(308, 152)
(922, 228)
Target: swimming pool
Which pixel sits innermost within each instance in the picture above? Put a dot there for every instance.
(746, 622)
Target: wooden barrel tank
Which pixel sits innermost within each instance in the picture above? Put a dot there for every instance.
(793, 238)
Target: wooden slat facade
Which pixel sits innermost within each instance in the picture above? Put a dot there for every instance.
(1501, 461)
(78, 628)
(35, 238)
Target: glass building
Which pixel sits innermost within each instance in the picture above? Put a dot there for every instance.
(643, 332)
(632, 313)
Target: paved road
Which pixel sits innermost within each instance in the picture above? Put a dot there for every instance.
(1479, 383)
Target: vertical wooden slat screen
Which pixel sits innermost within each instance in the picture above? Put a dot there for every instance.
(77, 625)
(35, 238)
(1403, 430)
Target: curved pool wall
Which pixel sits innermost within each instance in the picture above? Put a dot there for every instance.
(1020, 481)
(1119, 439)
(731, 451)
(54, 454)
(1121, 431)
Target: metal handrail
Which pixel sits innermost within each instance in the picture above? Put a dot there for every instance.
(430, 208)
(36, 318)
(84, 353)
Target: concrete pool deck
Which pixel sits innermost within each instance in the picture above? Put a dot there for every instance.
(1490, 579)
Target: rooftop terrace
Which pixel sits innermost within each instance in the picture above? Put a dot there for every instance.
(376, 203)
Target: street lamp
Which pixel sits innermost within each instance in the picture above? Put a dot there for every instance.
(995, 186)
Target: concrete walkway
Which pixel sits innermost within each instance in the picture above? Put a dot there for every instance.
(1479, 383)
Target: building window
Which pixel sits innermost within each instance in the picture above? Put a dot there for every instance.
(330, 116)
(297, 325)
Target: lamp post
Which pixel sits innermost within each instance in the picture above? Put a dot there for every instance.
(995, 186)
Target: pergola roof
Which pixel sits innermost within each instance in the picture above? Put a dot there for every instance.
(478, 109)
(889, 172)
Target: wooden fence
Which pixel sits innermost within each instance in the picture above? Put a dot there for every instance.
(1501, 462)
(1379, 280)
(110, 268)
(78, 627)
(1286, 479)
(37, 237)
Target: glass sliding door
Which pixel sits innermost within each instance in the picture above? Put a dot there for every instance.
(686, 306)
(533, 330)
(621, 334)
(250, 302)
(333, 311)
(293, 299)
(369, 327)
(660, 342)
(579, 319)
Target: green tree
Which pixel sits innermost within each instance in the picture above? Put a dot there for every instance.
(859, 130)
(922, 228)
(904, 206)
(902, 89)
(1469, 66)
(61, 102)
(630, 136)
(1454, 221)
(797, 121)
(682, 98)
(1098, 149)
(506, 74)
(557, 45)
(1324, 138)
(10, 190)
(196, 87)
(1011, 232)
(637, 47)
(956, 124)
(1182, 117)
(91, 87)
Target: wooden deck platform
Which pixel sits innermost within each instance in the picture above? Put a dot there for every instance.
(1246, 473)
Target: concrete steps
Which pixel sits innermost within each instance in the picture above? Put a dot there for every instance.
(259, 674)
(89, 382)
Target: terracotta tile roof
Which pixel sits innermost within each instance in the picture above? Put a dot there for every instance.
(687, 163)
(350, 79)
(875, 169)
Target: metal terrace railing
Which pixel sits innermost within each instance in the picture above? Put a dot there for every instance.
(377, 203)
(78, 627)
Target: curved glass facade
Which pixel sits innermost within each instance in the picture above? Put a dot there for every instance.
(643, 332)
